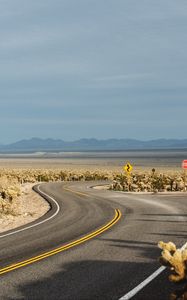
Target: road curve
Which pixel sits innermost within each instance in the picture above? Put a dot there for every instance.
(106, 267)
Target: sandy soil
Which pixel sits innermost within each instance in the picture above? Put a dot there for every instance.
(90, 164)
(30, 206)
(101, 187)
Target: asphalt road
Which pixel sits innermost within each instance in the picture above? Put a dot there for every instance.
(105, 267)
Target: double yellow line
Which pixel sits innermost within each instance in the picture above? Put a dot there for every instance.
(76, 192)
(64, 247)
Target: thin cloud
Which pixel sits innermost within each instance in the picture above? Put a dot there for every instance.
(124, 77)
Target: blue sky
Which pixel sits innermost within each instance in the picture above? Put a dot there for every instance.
(93, 68)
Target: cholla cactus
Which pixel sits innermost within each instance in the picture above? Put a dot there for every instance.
(9, 191)
(149, 182)
(137, 182)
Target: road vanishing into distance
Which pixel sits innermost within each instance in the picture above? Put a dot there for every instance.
(92, 244)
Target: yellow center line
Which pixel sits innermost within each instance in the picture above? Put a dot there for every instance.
(76, 192)
(64, 247)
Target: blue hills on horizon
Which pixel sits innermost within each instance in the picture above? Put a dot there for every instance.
(90, 144)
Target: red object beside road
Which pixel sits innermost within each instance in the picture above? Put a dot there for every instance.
(184, 164)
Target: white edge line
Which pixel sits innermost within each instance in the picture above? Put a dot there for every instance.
(140, 286)
(39, 223)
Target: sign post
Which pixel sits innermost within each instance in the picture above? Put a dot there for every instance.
(184, 166)
(128, 168)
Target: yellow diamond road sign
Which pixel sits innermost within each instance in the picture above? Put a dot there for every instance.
(128, 168)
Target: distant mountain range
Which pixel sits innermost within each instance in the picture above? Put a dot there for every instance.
(57, 145)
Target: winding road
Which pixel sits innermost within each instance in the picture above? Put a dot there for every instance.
(92, 244)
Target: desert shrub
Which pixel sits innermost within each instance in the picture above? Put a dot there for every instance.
(148, 182)
(10, 180)
(9, 192)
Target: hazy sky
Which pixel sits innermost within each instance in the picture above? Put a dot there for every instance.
(93, 68)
